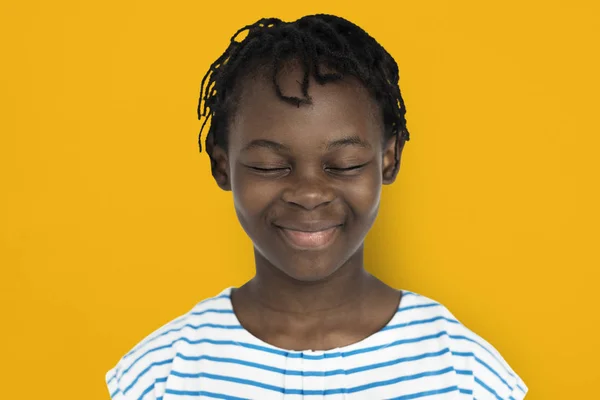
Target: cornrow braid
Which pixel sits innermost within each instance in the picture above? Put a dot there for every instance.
(314, 40)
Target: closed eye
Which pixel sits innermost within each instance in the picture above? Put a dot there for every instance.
(350, 168)
(268, 169)
(268, 172)
(351, 171)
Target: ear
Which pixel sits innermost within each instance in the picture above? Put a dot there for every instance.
(392, 153)
(219, 163)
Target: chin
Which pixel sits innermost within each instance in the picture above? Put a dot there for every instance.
(309, 270)
(304, 265)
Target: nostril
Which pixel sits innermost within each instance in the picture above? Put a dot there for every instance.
(308, 196)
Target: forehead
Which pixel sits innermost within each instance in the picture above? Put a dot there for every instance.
(338, 109)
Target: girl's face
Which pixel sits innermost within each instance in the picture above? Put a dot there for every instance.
(306, 180)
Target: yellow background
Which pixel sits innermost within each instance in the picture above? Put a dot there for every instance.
(110, 224)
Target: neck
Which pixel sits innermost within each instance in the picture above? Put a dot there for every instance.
(274, 290)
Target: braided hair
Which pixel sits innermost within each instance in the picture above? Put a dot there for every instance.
(313, 40)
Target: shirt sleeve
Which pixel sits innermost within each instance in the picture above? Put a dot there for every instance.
(117, 391)
(112, 383)
(494, 379)
(519, 390)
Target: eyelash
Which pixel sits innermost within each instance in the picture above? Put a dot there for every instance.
(352, 168)
(275, 170)
(268, 169)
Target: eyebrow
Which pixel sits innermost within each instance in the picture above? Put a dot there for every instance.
(266, 144)
(348, 141)
(335, 144)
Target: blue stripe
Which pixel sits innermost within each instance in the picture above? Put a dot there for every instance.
(209, 341)
(465, 391)
(460, 337)
(111, 379)
(396, 343)
(151, 387)
(192, 342)
(477, 359)
(400, 309)
(304, 392)
(463, 353)
(285, 353)
(152, 336)
(242, 362)
(398, 361)
(212, 311)
(486, 387)
(493, 372)
(202, 393)
(113, 394)
(402, 379)
(464, 372)
(194, 327)
(419, 322)
(145, 392)
(521, 389)
(311, 373)
(241, 381)
(148, 340)
(427, 393)
(199, 326)
(148, 368)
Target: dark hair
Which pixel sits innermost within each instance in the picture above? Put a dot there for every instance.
(314, 40)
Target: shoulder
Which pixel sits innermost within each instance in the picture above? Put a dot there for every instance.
(142, 372)
(487, 373)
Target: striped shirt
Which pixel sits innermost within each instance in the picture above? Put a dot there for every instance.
(422, 353)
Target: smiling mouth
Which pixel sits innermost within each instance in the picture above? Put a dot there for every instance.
(314, 240)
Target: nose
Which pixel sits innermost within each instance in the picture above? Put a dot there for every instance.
(308, 192)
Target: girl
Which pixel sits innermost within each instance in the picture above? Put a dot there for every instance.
(307, 123)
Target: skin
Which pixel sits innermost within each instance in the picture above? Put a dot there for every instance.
(308, 168)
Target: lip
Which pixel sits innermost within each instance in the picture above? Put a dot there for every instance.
(309, 238)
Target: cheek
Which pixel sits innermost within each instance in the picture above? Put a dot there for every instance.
(364, 197)
(251, 196)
